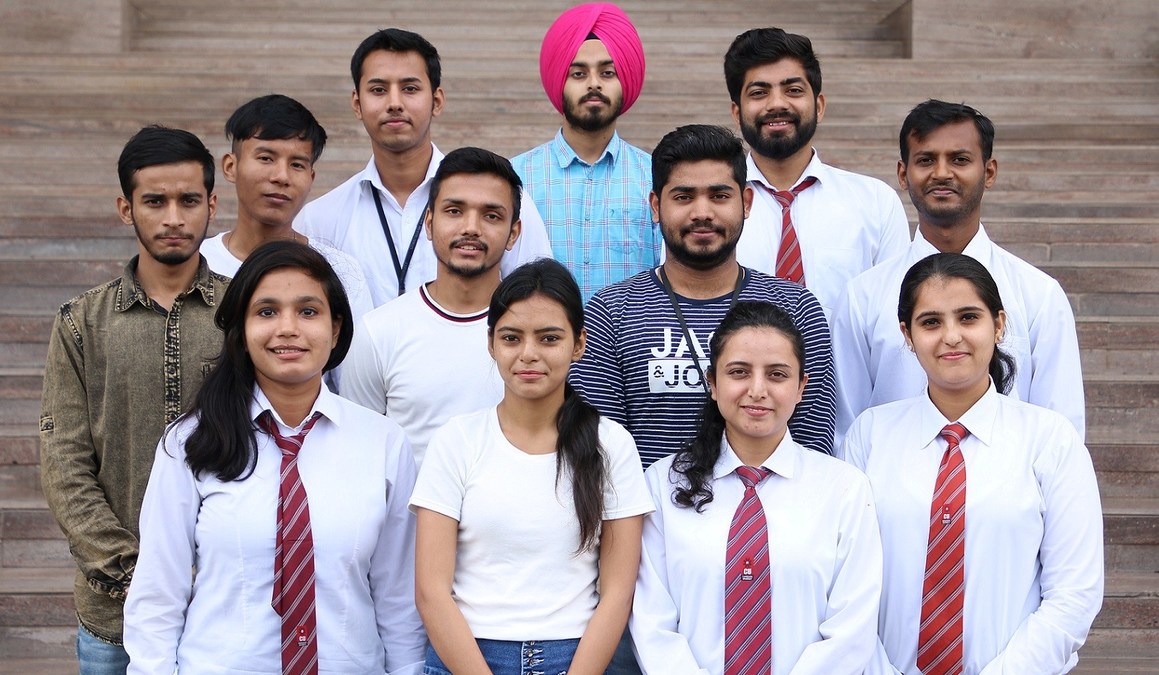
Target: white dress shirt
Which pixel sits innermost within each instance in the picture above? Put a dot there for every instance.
(824, 550)
(358, 474)
(1034, 531)
(845, 223)
(346, 218)
(874, 367)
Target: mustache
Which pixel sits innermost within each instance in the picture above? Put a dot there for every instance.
(779, 117)
(596, 96)
(455, 243)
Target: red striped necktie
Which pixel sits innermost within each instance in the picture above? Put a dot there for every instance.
(940, 636)
(789, 263)
(293, 597)
(748, 621)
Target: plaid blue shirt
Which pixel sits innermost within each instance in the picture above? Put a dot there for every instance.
(597, 215)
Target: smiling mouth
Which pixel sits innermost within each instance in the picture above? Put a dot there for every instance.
(288, 350)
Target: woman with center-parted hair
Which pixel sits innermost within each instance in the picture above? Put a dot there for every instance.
(275, 536)
(988, 506)
(762, 557)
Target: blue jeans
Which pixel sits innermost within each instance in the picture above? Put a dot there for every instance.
(624, 660)
(508, 657)
(98, 657)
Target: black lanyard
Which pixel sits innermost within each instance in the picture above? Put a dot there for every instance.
(399, 270)
(684, 324)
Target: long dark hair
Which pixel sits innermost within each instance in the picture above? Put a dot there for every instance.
(577, 423)
(223, 442)
(957, 266)
(693, 466)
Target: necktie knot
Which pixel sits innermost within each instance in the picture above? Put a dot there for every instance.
(752, 475)
(289, 445)
(785, 197)
(954, 434)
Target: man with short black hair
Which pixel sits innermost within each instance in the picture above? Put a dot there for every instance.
(648, 335)
(377, 215)
(946, 165)
(422, 358)
(275, 142)
(124, 360)
(811, 223)
(590, 184)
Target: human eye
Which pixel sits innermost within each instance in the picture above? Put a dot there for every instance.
(970, 316)
(737, 372)
(378, 90)
(452, 211)
(412, 89)
(962, 159)
(265, 312)
(309, 311)
(493, 217)
(191, 200)
(301, 166)
(608, 72)
(576, 73)
(795, 90)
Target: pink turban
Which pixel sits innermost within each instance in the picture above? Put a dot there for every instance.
(612, 26)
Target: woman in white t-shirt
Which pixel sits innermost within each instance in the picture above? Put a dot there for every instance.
(275, 535)
(781, 577)
(522, 507)
(988, 506)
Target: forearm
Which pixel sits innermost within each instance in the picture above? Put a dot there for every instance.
(602, 635)
(619, 565)
(450, 635)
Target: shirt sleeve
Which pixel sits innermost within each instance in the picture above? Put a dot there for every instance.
(851, 361)
(849, 628)
(533, 241)
(814, 419)
(392, 582)
(155, 609)
(660, 648)
(1071, 555)
(442, 481)
(895, 235)
(626, 494)
(597, 376)
(362, 372)
(1057, 378)
(104, 550)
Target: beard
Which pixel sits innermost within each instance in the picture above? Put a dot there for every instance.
(778, 147)
(170, 257)
(698, 258)
(591, 120)
(470, 271)
(946, 215)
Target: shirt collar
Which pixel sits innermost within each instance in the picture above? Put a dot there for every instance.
(327, 403)
(815, 168)
(131, 292)
(370, 173)
(980, 247)
(979, 420)
(564, 155)
(785, 461)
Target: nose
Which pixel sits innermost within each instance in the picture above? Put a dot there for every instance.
(174, 214)
(287, 323)
(472, 222)
(942, 169)
(394, 98)
(528, 351)
(775, 100)
(953, 333)
(758, 388)
(701, 210)
(280, 172)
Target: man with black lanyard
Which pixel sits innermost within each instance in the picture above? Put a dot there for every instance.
(648, 336)
(377, 215)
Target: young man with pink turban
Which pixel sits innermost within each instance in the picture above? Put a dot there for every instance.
(589, 184)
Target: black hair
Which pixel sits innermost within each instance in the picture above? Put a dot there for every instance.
(577, 423)
(156, 145)
(948, 266)
(760, 46)
(693, 465)
(932, 114)
(695, 143)
(397, 40)
(478, 161)
(223, 442)
(275, 117)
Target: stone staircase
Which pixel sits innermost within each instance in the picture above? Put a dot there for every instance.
(1078, 152)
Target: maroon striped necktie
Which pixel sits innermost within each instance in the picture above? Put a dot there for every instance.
(943, 591)
(748, 621)
(293, 597)
(789, 264)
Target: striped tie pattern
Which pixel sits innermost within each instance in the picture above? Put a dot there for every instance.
(293, 597)
(940, 636)
(748, 621)
(789, 265)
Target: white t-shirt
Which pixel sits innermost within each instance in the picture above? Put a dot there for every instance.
(845, 222)
(349, 271)
(421, 365)
(518, 575)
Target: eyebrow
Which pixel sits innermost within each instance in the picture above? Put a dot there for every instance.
(796, 79)
(162, 195)
(272, 151)
(300, 300)
(715, 187)
(767, 365)
(410, 79)
(959, 310)
(488, 206)
(546, 329)
(599, 64)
